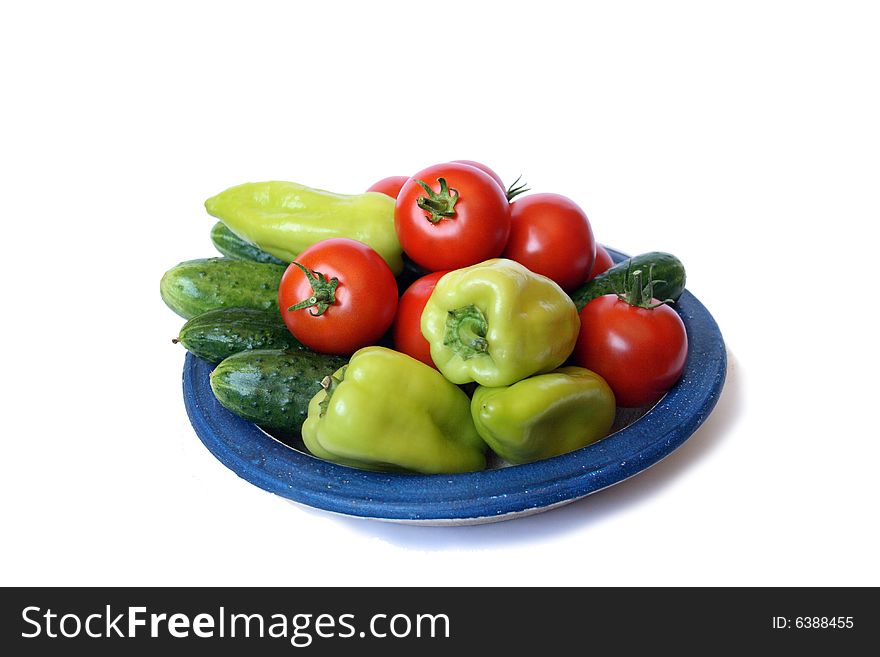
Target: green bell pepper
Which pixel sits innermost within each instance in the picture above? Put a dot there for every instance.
(387, 411)
(497, 322)
(284, 218)
(545, 415)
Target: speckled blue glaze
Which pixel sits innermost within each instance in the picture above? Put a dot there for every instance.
(485, 496)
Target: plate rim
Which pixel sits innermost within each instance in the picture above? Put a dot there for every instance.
(484, 496)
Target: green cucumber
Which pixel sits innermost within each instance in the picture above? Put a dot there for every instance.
(232, 246)
(196, 286)
(272, 387)
(667, 271)
(222, 332)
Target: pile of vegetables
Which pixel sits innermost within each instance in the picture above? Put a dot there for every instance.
(423, 323)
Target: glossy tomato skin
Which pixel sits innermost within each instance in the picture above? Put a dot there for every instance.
(407, 330)
(552, 236)
(389, 186)
(640, 352)
(482, 167)
(603, 262)
(365, 299)
(477, 231)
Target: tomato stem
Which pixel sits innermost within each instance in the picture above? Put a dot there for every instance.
(439, 205)
(639, 295)
(516, 189)
(323, 292)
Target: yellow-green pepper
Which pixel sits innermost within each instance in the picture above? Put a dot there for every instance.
(387, 411)
(284, 218)
(545, 415)
(497, 322)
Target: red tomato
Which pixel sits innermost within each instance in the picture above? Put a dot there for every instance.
(482, 167)
(639, 351)
(603, 262)
(464, 218)
(552, 236)
(408, 336)
(389, 186)
(348, 299)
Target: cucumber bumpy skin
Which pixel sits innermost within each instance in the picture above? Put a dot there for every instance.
(232, 246)
(223, 332)
(196, 286)
(272, 387)
(667, 270)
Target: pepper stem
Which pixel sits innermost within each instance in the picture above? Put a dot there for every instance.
(439, 205)
(466, 329)
(323, 292)
(637, 294)
(329, 383)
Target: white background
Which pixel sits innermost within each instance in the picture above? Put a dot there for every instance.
(741, 136)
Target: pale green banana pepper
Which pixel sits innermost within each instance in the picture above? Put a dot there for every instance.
(497, 322)
(284, 218)
(387, 411)
(545, 415)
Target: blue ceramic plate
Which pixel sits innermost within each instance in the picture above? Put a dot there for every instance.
(476, 497)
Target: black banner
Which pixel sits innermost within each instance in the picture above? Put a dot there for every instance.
(432, 621)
